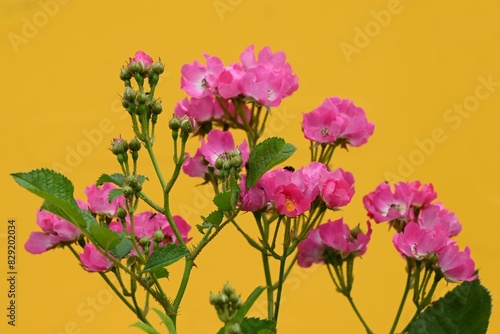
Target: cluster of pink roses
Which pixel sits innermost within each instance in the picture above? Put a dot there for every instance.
(332, 238)
(424, 228)
(291, 193)
(59, 232)
(266, 79)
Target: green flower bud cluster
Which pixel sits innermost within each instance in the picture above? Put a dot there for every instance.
(227, 303)
(140, 103)
(131, 186)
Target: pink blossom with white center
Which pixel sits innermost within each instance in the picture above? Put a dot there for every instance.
(144, 58)
(435, 215)
(310, 250)
(418, 242)
(55, 231)
(324, 124)
(456, 266)
(93, 260)
(198, 80)
(337, 119)
(383, 205)
(337, 235)
(336, 188)
(98, 200)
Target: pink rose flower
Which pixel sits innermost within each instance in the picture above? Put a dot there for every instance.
(310, 250)
(98, 200)
(269, 79)
(93, 260)
(198, 80)
(434, 215)
(419, 243)
(55, 231)
(338, 236)
(202, 109)
(456, 266)
(337, 119)
(144, 58)
(383, 205)
(219, 145)
(253, 199)
(333, 235)
(336, 188)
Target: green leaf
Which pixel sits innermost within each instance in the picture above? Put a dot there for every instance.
(164, 256)
(223, 201)
(123, 248)
(257, 326)
(265, 156)
(56, 189)
(215, 217)
(242, 312)
(161, 273)
(465, 309)
(166, 321)
(104, 237)
(145, 327)
(114, 194)
(115, 178)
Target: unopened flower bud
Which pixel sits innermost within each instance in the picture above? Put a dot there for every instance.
(128, 191)
(125, 103)
(135, 67)
(129, 94)
(141, 98)
(228, 289)
(234, 298)
(186, 126)
(134, 145)
(218, 163)
(144, 241)
(226, 165)
(234, 153)
(125, 74)
(158, 236)
(118, 145)
(156, 108)
(157, 67)
(121, 213)
(236, 161)
(224, 299)
(174, 123)
(214, 299)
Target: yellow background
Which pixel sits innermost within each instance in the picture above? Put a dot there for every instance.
(60, 83)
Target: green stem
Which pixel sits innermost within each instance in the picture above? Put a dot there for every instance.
(405, 295)
(182, 287)
(351, 301)
(269, 285)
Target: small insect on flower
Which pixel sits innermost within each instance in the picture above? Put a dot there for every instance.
(289, 168)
